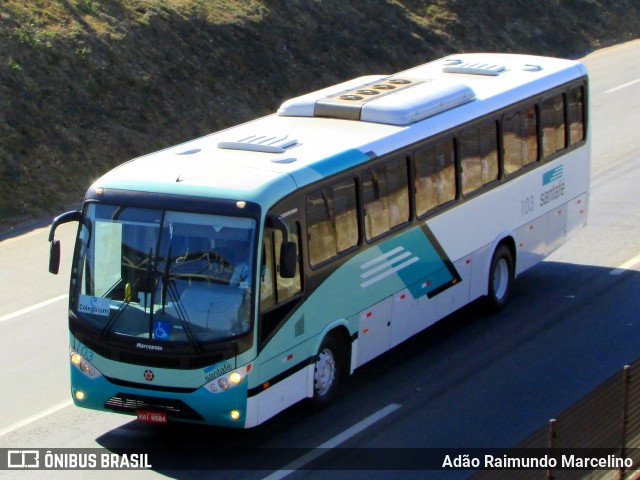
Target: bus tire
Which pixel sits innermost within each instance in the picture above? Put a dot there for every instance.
(501, 274)
(327, 371)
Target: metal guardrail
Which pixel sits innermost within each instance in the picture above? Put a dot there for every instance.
(607, 419)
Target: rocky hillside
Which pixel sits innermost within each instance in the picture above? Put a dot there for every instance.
(88, 84)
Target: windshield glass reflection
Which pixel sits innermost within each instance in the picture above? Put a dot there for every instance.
(162, 275)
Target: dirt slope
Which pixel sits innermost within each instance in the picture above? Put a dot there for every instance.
(86, 85)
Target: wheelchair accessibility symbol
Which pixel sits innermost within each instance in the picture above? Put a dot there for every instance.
(161, 330)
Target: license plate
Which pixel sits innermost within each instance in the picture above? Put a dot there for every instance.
(152, 417)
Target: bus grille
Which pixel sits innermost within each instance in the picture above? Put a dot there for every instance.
(131, 403)
(150, 360)
(176, 361)
(165, 361)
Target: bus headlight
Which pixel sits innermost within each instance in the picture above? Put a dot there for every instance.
(82, 364)
(228, 380)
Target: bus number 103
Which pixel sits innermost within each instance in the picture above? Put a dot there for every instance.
(527, 205)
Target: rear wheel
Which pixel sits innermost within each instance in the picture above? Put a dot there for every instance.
(501, 274)
(328, 370)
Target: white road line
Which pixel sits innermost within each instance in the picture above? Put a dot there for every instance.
(625, 266)
(34, 418)
(620, 87)
(32, 308)
(332, 443)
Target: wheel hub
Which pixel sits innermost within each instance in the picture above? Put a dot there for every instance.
(325, 371)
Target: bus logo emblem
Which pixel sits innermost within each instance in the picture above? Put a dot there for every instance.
(552, 175)
(148, 375)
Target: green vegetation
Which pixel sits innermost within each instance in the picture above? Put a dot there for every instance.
(88, 84)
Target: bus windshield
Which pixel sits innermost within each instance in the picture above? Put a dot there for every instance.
(163, 275)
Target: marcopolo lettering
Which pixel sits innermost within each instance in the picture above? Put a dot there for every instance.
(148, 347)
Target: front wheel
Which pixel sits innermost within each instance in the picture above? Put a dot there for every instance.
(501, 274)
(327, 372)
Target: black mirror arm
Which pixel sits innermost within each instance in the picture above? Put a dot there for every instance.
(54, 252)
(73, 216)
(278, 224)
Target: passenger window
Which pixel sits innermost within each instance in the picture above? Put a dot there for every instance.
(267, 292)
(479, 156)
(285, 288)
(435, 176)
(576, 115)
(553, 127)
(332, 221)
(520, 139)
(385, 191)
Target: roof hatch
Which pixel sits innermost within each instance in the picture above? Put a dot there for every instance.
(454, 65)
(395, 100)
(261, 143)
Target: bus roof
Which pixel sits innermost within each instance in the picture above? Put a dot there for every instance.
(322, 133)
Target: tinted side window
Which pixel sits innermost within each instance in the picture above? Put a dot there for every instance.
(385, 192)
(435, 175)
(520, 139)
(332, 221)
(553, 127)
(479, 156)
(267, 292)
(287, 287)
(282, 289)
(575, 101)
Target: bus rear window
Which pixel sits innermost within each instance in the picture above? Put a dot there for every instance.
(575, 102)
(553, 126)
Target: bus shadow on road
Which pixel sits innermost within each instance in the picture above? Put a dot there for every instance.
(567, 329)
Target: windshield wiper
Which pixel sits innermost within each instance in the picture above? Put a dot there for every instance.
(182, 315)
(168, 285)
(150, 286)
(107, 328)
(165, 278)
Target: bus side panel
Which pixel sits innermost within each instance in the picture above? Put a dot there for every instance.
(274, 399)
(458, 295)
(530, 243)
(375, 331)
(410, 315)
(556, 227)
(480, 260)
(577, 214)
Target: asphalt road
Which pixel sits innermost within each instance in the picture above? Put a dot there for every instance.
(471, 381)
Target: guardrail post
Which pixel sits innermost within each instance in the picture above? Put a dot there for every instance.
(626, 380)
(550, 443)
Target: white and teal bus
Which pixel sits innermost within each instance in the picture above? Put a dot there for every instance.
(225, 279)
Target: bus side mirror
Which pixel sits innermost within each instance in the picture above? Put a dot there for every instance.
(288, 259)
(54, 251)
(54, 257)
